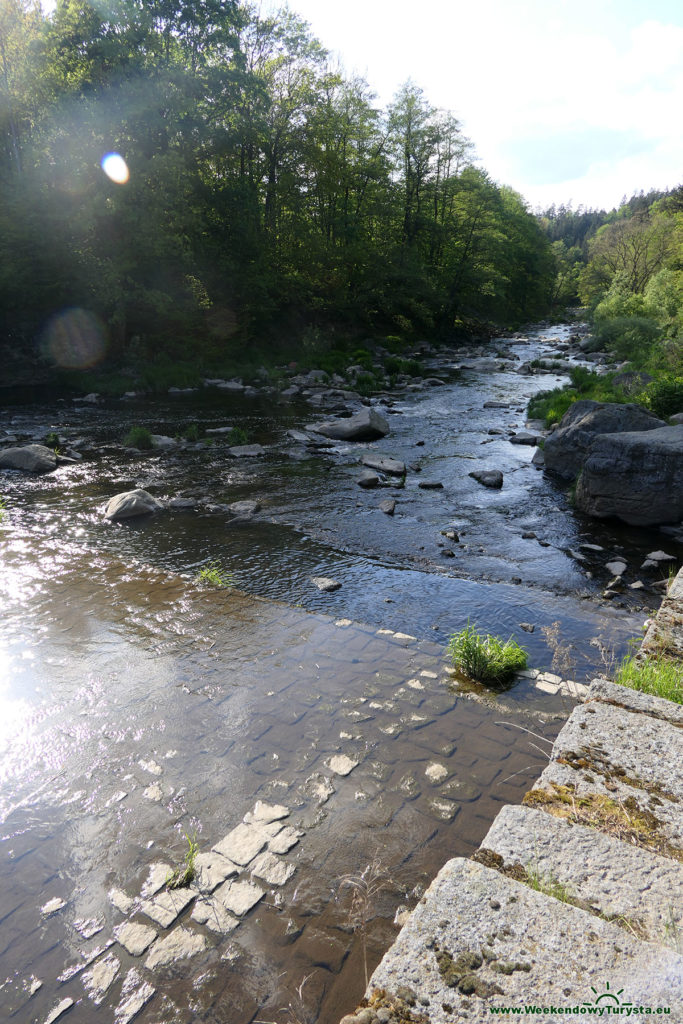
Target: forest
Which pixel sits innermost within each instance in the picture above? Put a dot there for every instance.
(270, 205)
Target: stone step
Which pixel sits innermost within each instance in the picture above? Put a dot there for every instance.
(616, 880)
(622, 765)
(657, 707)
(479, 940)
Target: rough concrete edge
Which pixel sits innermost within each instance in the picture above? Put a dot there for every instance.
(634, 700)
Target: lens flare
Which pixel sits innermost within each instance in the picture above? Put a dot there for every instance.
(115, 167)
(75, 339)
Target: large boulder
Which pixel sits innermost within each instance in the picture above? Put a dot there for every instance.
(636, 476)
(32, 458)
(129, 504)
(566, 448)
(366, 425)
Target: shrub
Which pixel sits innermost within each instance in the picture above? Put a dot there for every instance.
(138, 437)
(485, 657)
(661, 677)
(665, 396)
(192, 433)
(214, 575)
(629, 337)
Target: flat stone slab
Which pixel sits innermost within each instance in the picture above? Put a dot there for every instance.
(284, 840)
(546, 952)
(135, 938)
(166, 907)
(436, 772)
(611, 693)
(100, 978)
(180, 944)
(263, 812)
(247, 451)
(242, 844)
(239, 897)
(121, 900)
(615, 878)
(340, 764)
(393, 467)
(58, 1010)
(607, 750)
(157, 877)
(135, 993)
(271, 869)
(325, 583)
(211, 869)
(211, 912)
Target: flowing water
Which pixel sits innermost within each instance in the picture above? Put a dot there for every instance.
(138, 706)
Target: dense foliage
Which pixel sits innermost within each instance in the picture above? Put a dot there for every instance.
(268, 196)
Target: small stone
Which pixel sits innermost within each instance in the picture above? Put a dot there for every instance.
(179, 945)
(415, 684)
(263, 812)
(430, 485)
(90, 927)
(121, 900)
(528, 627)
(150, 766)
(271, 869)
(436, 772)
(284, 840)
(135, 938)
(242, 844)
(368, 479)
(616, 567)
(444, 810)
(153, 792)
(212, 868)
(340, 764)
(157, 877)
(239, 897)
(405, 637)
(52, 906)
(387, 506)
(488, 478)
(318, 787)
(98, 980)
(325, 583)
(59, 1009)
(166, 907)
(638, 585)
(661, 556)
(211, 912)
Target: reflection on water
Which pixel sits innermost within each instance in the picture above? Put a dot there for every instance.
(136, 706)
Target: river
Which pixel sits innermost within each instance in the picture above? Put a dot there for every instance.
(139, 707)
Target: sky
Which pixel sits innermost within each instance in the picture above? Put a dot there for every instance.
(575, 101)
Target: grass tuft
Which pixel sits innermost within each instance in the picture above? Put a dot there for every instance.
(138, 437)
(661, 677)
(182, 876)
(484, 657)
(214, 574)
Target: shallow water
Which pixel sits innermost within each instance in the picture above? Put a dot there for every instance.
(112, 660)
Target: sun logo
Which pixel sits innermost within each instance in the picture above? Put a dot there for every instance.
(608, 996)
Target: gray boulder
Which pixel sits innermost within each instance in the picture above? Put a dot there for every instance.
(566, 448)
(488, 477)
(130, 504)
(393, 467)
(32, 458)
(366, 425)
(368, 479)
(636, 476)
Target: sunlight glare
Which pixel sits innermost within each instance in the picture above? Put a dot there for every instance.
(115, 167)
(75, 338)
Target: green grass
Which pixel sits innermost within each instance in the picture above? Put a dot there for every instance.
(192, 433)
(52, 439)
(238, 436)
(3, 509)
(214, 574)
(484, 657)
(182, 876)
(138, 437)
(661, 677)
(552, 405)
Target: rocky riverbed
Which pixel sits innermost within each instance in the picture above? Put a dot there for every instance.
(140, 706)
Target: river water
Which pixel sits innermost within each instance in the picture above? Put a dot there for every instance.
(139, 706)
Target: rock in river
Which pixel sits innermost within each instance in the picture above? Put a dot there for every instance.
(384, 465)
(32, 458)
(566, 448)
(636, 476)
(129, 504)
(488, 477)
(366, 425)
